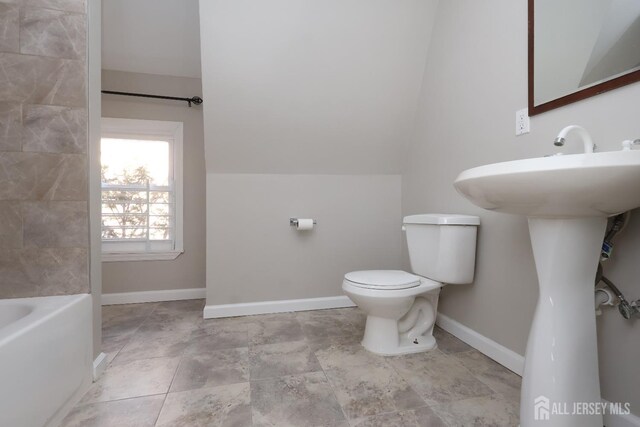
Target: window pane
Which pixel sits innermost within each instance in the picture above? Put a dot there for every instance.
(160, 227)
(128, 229)
(138, 199)
(123, 199)
(133, 161)
(159, 197)
(159, 209)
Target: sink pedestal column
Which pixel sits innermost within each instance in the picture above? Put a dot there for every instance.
(561, 367)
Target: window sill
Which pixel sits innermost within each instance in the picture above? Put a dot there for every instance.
(140, 256)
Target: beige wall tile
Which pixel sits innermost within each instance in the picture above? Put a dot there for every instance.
(10, 126)
(55, 224)
(53, 33)
(10, 225)
(54, 129)
(40, 80)
(43, 144)
(68, 5)
(37, 272)
(9, 28)
(39, 176)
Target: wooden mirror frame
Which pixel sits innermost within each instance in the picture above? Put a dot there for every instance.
(588, 92)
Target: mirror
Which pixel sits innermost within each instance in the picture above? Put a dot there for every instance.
(581, 48)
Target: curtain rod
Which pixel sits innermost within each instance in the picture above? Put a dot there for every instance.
(193, 100)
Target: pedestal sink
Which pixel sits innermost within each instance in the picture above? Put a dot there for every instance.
(567, 200)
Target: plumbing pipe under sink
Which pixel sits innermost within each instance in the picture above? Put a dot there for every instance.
(603, 297)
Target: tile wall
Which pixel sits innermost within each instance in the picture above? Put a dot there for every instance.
(44, 242)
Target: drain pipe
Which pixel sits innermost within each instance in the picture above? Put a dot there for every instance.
(619, 223)
(628, 310)
(604, 296)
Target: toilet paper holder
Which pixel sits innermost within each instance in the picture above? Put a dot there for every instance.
(294, 222)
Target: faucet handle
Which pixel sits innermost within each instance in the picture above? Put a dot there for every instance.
(627, 144)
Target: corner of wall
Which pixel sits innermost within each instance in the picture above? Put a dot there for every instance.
(94, 25)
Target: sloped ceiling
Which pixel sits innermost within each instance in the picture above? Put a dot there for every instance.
(311, 87)
(616, 50)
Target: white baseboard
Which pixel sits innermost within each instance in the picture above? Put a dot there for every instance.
(153, 296)
(99, 366)
(513, 361)
(267, 307)
(501, 354)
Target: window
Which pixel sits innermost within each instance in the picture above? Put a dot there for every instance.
(141, 189)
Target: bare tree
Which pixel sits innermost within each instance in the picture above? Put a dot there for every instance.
(128, 209)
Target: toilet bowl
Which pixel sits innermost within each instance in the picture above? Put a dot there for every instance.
(386, 296)
(401, 307)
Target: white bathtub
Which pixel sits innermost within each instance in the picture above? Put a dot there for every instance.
(45, 358)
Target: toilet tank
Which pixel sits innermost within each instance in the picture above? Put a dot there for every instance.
(442, 247)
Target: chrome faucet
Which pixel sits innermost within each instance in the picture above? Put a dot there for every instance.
(589, 146)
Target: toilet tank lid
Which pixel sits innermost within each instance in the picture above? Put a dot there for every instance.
(442, 219)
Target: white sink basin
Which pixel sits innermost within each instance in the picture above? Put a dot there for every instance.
(577, 185)
(567, 200)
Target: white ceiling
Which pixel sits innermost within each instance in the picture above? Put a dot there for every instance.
(151, 36)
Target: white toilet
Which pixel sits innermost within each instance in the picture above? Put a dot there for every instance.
(401, 307)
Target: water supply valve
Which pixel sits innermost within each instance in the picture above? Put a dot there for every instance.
(629, 310)
(627, 144)
(607, 249)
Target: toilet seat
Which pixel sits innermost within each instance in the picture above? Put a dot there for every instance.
(383, 279)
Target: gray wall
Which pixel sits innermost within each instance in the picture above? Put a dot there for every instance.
(311, 87)
(307, 109)
(474, 81)
(188, 270)
(43, 149)
(257, 256)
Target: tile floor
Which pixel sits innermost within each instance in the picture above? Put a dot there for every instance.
(169, 367)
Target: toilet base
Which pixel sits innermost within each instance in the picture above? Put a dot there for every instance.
(381, 337)
(408, 347)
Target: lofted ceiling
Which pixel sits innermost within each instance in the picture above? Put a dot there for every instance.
(312, 87)
(151, 36)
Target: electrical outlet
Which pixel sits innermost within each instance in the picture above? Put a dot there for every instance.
(522, 122)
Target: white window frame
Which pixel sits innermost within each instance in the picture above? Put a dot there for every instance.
(151, 129)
